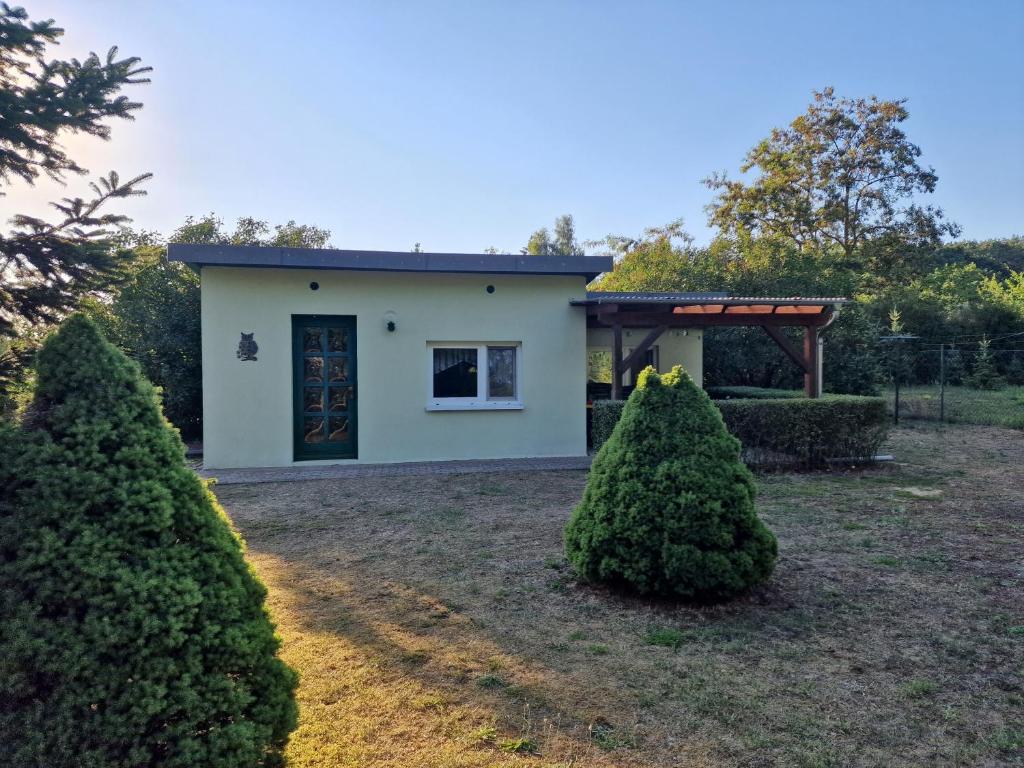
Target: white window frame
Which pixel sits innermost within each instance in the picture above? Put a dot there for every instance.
(482, 402)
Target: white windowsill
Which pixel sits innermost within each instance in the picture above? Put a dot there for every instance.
(480, 405)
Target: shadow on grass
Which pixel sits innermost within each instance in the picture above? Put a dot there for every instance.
(439, 685)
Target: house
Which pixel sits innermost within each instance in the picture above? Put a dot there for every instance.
(372, 356)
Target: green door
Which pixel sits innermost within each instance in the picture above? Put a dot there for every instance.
(324, 365)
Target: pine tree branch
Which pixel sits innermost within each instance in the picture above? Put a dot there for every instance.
(45, 267)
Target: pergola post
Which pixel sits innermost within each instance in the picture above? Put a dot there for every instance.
(812, 385)
(617, 361)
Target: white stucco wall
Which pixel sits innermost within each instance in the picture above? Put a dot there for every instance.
(676, 346)
(247, 406)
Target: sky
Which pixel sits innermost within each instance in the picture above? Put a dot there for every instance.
(467, 125)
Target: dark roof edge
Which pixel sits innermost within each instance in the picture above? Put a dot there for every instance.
(199, 256)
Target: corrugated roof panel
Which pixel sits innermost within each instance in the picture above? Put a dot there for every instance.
(641, 297)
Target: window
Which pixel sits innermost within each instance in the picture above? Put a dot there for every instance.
(474, 377)
(651, 357)
(455, 372)
(501, 373)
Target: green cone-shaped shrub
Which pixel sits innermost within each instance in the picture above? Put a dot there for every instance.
(669, 507)
(132, 631)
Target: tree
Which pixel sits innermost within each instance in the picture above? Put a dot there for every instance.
(565, 237)
(984, 374)
(210, 230)
(665, 259)
(134, 633)
(669, 506)
(15, 374)
(292, 235)
(950, 304)
(844, 175)
(852, 359)
(539, 243)
(48, 266)
(999, 257)
(563, 243)
(153, 315)
(1007, 294)
(661, 259)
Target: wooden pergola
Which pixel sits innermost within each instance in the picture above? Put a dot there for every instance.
(661, 311)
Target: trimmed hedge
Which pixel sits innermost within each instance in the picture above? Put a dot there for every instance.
(604, 416)
(669, 506)
(808, 432)
(803, 432)
(752, 393)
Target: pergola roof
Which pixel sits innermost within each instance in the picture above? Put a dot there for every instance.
(653, 309)
(595, 298)
(660, 311)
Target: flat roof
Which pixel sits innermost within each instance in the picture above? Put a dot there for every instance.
(198, 256)
(597, 298)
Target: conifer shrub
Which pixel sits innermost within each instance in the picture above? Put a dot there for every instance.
(669, 507)
(133, 632)
(984, 375)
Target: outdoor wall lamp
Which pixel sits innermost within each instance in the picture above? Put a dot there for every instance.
(390, 321)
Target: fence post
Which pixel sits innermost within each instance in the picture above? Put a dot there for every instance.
(942, 382)
(896, 405)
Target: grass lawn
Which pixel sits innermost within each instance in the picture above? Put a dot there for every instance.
(1002, 407)
(434, 622)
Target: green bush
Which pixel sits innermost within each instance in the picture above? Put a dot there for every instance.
(605, 416)
(133, 632)
(984, 376)
(808, 432)
(154, 319)
(788, 431)
(751, 393)
(669, 507)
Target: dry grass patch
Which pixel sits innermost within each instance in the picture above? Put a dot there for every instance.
(435, 623)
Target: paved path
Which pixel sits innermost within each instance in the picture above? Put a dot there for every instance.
(289, 474)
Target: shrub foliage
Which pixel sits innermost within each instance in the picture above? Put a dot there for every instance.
(154, 319)
(669, 507)
(808, 432)
(134, 633)
(752, 393)
(786, 430)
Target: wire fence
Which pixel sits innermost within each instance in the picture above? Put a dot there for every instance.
(977, 384)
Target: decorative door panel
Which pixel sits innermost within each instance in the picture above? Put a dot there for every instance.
(324, 367)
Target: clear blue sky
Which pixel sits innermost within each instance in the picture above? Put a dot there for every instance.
(463, 125)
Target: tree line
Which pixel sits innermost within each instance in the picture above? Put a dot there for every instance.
(832, 206)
